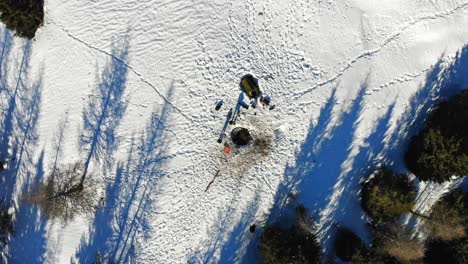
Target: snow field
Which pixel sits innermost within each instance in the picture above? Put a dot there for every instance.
(359, 63)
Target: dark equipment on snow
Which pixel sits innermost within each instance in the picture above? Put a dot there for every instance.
(226, 123)
(249, 85)
(234, 116)
(218, 105)
(252, 228)
(241, 136)
(244, 104)
(211, 182)
(265, 100)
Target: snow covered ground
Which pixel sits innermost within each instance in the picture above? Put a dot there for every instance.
(351, 81)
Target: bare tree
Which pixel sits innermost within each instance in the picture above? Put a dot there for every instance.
(65, 192)
(61, 195)
(57, 197)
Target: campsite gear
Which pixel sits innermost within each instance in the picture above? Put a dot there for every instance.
(249, 85)
(265, 100)
(241, 136)
(219, 104)
(227, 149)
(272, 107)
(226, 123)
(254, 102)
(244, 104)
(234, 116)
(221, 137)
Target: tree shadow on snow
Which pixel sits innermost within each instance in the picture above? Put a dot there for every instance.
(20, 99)
(235, 246)
(104, 110)
(6, 42)
(28, 243)
(229, 243)
(129, 197)
(18, 120)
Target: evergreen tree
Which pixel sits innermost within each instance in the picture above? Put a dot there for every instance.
(440, 150)
(22, 16)
(296, 244)
(349, 247)
(386, 196)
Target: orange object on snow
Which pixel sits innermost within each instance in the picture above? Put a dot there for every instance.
(227, 149)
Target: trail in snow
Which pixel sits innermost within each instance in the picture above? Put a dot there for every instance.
(142, 78)
(368, 53)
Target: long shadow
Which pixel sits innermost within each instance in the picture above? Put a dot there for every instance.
(28, 243)
(6, 39)
(18, 145)
(18, 119)
(345, 208)
(128, 201)
(20, 100)
(104, 110)
(234, 248)
(305, 158)
(318, 164)
(229, 243)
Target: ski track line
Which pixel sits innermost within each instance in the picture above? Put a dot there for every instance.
(142, 78)
(369, 53)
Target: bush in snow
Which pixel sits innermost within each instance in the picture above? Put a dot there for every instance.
(440, 150)
(349, 247)
(449, 217)
(23, 16)
(447, 226)
(386, 196)
(62, 195)
(296, 244)
(394, 241)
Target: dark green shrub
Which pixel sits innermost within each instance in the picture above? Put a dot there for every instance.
(22, 16)
(296, 244)
(386, 196)
(440, 150)
(349, 247)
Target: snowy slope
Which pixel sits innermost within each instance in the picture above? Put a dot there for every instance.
(348, 78)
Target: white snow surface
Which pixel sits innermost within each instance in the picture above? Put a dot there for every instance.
(351, 81)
